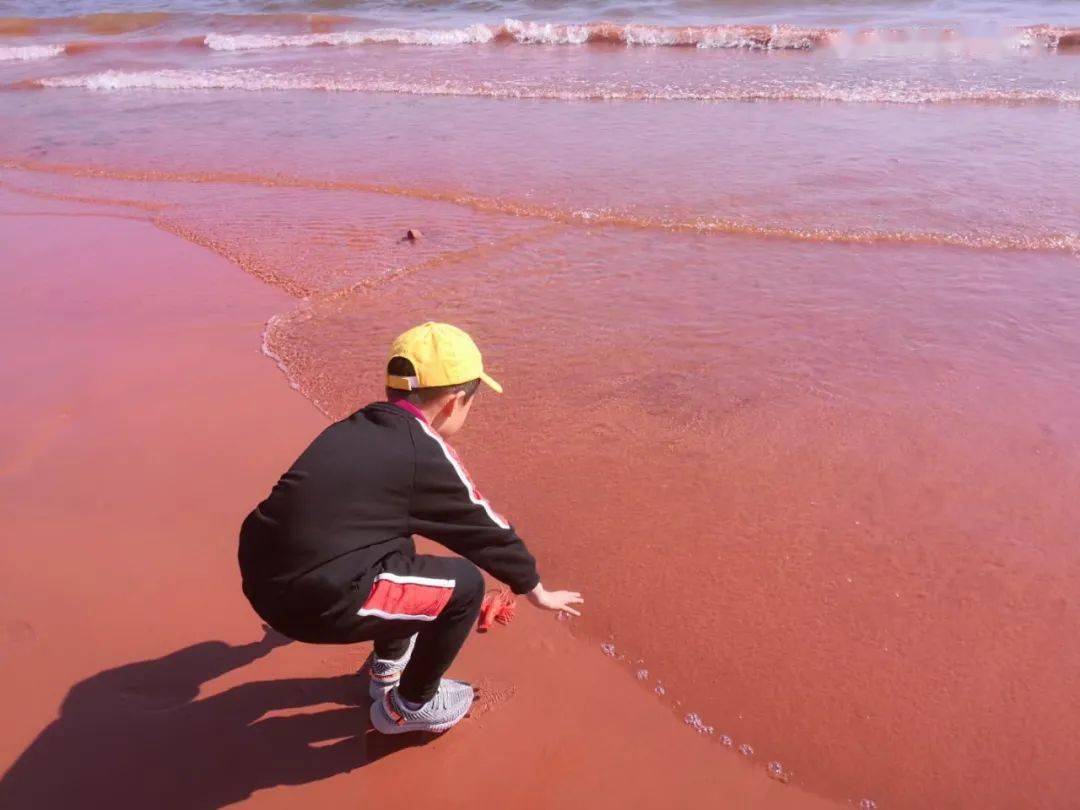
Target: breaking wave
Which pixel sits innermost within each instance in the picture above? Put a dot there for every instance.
(512, 31)
(759, 37)
(250, 42)
(869, 92)
(401, 36)
(750, 37)
(1050, 36)
(239, 30)
(26, 53)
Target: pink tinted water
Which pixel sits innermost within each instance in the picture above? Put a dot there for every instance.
(791, 383)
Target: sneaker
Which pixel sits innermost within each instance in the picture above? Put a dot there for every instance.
(450, 704)
(386, 672)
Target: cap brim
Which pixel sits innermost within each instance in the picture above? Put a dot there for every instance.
(494, 386)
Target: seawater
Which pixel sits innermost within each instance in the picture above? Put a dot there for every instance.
(785, 296)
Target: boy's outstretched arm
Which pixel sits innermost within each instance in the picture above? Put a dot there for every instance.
(447, 507)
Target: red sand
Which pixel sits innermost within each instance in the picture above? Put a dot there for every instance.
(139, 424)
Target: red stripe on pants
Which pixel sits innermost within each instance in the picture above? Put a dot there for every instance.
(421, 601)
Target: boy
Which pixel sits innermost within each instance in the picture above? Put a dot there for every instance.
(328, 557)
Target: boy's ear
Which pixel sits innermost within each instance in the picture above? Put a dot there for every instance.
(449, 403)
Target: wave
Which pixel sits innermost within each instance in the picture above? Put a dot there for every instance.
(510, 31)
(1050, 36)
(26, 53)
(756, 37)
(109, 23)
(104, 23)
(451, 36)
(1057, 243)
(254, 31)
(750, 37)
(871, 92)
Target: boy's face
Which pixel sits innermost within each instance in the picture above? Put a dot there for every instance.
(452, 413)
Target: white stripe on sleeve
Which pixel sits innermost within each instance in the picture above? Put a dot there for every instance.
(474, 496)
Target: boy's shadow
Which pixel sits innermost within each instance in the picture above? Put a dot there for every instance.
(137, 736)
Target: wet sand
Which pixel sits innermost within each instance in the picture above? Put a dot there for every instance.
(139, 425)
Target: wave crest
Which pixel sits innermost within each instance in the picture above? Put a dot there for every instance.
(521, 32)
(757, 37)
(451, 36)
(881, 92)
(27, 53)
(1050, 36)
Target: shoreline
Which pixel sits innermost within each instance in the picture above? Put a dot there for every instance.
(141, 354)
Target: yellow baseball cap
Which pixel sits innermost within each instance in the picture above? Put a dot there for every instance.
(441, 354)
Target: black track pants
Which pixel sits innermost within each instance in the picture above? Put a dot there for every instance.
(438, 598)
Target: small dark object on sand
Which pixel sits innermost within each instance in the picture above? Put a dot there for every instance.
(412, 235)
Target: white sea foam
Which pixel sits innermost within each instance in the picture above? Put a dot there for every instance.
(258, 80)
(778, 772)
(535, 33)
(167, 80)
(27, 53)
(1049, 36)
(530, 33)
(651, 35)
(476, 34)
(274, 324)
(778, 38)
(697, 724)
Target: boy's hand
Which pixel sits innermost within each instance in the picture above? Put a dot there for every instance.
(555, 600)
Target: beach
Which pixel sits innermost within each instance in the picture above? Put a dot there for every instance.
(137, 665)
(785, 300)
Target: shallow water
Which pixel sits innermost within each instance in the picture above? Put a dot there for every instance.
(788, 323)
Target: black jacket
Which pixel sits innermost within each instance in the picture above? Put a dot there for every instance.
(358, 493)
